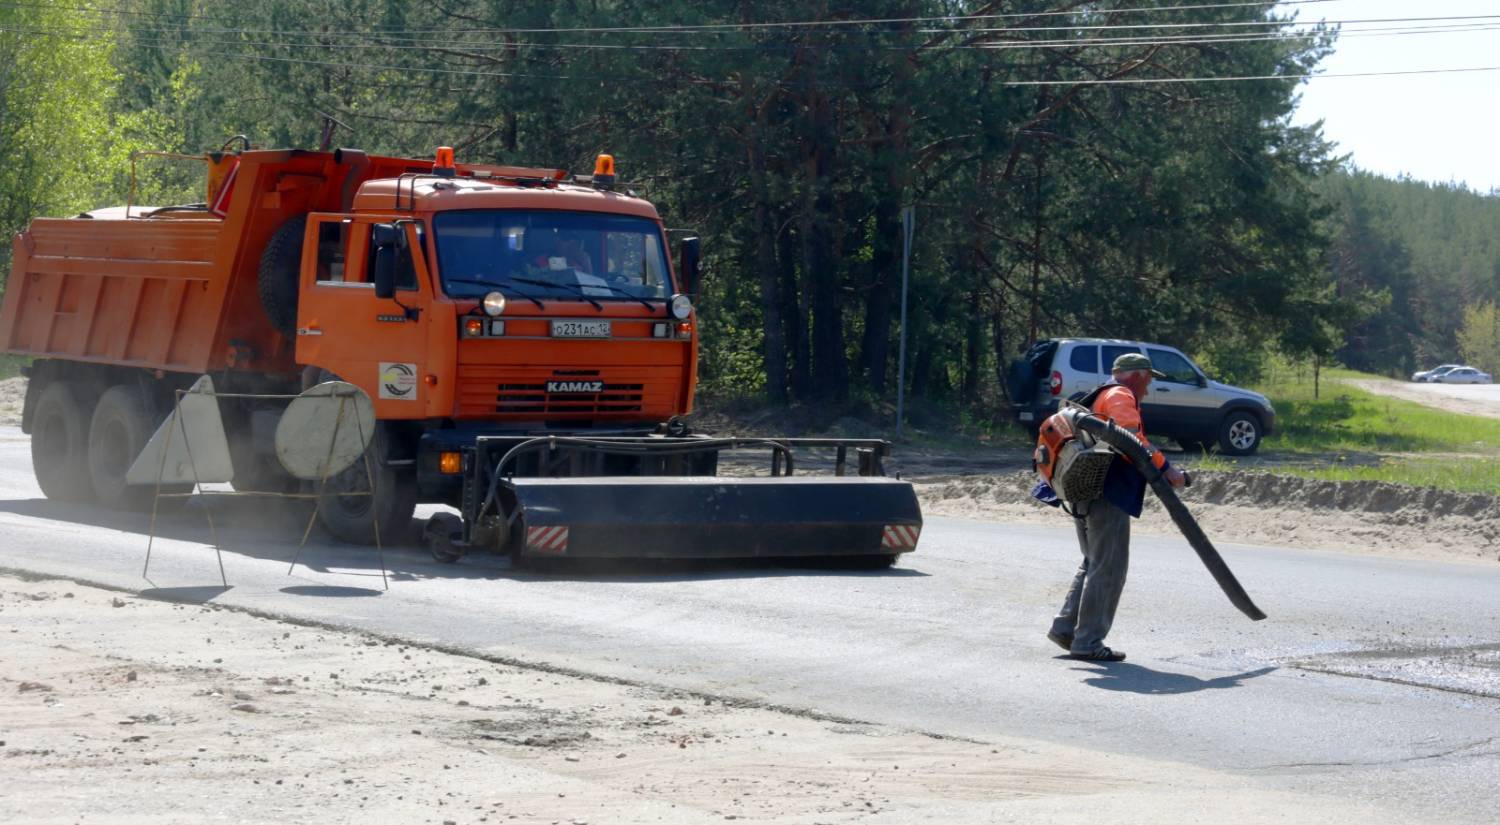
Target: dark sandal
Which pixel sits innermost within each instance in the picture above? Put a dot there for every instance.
(1103, 654)
(1064, 642)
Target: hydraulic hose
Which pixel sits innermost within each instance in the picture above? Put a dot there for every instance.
(1131, 447)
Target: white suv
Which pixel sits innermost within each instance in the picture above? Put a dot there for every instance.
(1185, 406)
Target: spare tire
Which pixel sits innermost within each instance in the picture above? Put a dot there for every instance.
(280, 271)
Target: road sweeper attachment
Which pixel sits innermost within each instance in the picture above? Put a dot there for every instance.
(661, 497)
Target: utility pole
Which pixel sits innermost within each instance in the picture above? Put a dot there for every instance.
(908, 225)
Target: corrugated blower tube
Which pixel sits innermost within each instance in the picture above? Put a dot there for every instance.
(1132, 448)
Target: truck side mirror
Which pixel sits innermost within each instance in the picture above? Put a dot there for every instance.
(385, 272)
(383, 240)
(1201, 379)
(385, 234)
(687, 267)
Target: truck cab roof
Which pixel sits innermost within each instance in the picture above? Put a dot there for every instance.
(435, 193)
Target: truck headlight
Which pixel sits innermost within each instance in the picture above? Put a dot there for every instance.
(494, 304)
(682, 307)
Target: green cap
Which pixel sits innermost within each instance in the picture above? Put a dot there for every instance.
(1136, 361)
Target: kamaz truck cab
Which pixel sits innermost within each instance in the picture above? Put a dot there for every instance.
(525, 341)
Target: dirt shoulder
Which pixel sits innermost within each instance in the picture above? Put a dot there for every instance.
(121, 708)
(12, 398)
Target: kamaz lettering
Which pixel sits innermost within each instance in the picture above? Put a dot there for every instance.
(575, 386)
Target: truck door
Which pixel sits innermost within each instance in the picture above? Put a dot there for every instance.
(377, 344)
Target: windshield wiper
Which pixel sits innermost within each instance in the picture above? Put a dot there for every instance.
(612, 288)
(577, 290)
(618, 291)
(521, 292)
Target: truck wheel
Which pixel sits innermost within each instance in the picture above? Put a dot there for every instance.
(280, 270)
(345, 508)
(440, 533)
(1239, 434)
(118, 432)
(60, 442)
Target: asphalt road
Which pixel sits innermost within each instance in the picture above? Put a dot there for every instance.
(1373, 680)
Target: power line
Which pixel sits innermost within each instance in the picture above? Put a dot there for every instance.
(1139, 81)
(712, 27)
(450, 34)
(476, 49)
(1489, 21)
(1183, 39)
(1057, 82)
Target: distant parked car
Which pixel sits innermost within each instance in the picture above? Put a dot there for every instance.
(1432, 374)
(1464, 375)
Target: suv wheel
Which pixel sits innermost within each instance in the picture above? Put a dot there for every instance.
(1239, 434)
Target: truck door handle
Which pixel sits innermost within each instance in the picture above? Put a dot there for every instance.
(1162, 389)
(309, 331)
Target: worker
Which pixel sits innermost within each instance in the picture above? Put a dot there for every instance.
(571, 247)
(1104, 532)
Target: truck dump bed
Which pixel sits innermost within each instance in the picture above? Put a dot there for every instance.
(137, 292)
(174, 288)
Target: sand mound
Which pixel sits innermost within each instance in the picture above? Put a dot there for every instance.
(1260, 508)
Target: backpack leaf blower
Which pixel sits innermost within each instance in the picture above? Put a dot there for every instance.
(1127, 444)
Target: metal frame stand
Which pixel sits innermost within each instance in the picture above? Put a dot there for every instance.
(208, 495)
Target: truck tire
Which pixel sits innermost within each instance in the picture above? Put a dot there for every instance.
(348, 518)
(280, 270)
(1239, 433)
(118, 431)
(60, 442)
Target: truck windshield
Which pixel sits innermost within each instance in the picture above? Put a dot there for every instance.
(602, 257)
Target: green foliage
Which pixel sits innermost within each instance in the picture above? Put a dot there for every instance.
(1182, 213)
(1479, 337)
(1234, 359)
(58, 124)
(10, 365)
(1414, 255)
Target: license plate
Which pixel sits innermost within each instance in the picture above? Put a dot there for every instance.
(1026, 416)
(580, 329)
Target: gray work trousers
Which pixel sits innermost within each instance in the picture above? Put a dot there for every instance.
(1089, 609)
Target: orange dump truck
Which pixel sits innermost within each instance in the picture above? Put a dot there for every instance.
(523, 335)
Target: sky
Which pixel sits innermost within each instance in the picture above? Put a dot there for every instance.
(1435, 127)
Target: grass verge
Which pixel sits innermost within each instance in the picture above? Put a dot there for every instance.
(1464, 475)
(1347, 434)
(1344, 418)
(10, 365)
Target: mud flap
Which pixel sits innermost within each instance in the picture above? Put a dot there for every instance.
(716, 517)
(1128, 445)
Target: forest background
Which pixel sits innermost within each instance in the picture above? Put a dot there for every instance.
(1075, 168)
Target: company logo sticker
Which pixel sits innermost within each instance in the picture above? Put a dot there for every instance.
(398, 381)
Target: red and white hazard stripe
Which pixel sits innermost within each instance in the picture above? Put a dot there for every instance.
(900, 536)
(220, 206)
(547, 539)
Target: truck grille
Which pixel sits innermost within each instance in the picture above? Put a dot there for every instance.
(542, 393)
